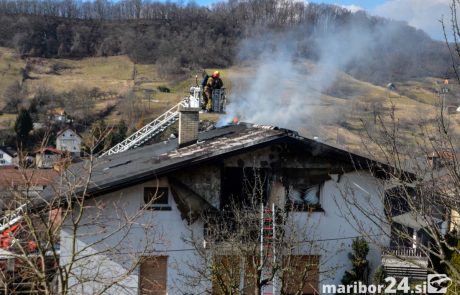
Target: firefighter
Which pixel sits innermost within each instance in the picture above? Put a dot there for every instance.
(214, 82)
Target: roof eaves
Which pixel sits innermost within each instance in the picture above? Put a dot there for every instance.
(185, 162)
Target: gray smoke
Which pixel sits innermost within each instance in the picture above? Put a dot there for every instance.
(286, 90)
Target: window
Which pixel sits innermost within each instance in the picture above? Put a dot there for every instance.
(2, 162)
(304, 197)
(243, 186)
(301, 275)
(1, 155)
(227, 275)
(154, 275)
(157, 198)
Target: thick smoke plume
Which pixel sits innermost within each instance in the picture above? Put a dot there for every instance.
(291, 71)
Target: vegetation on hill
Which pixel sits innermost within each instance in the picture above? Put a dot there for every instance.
(187, 35)
(131, 60)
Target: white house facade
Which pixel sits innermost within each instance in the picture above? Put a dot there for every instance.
(6, 156)
(152, 255)
(68, 140)
(330, 228)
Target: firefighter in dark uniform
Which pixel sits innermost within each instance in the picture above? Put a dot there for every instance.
(214, 82)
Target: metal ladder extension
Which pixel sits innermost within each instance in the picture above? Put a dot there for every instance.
(11, 218)
(267, 247)
(148, 131)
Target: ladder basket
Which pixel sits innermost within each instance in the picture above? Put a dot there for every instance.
(218, 100)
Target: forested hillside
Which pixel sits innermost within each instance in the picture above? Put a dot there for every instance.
(178, 36)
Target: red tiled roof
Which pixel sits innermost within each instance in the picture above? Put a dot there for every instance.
(49, 149)
(12, 176)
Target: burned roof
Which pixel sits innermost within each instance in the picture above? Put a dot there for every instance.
(114, 172)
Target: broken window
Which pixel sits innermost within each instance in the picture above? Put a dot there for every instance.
(153, 275)
(303, 187)
(157, 198)
(304, 196)
(244, 187)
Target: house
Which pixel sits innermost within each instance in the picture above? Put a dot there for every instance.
(30, 182)
(58, 116)
(16, 186)
(68, 140)
(6, 156)
(208, 172)
(452, 109)
(47, 157)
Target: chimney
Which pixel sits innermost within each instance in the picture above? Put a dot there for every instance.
(189, 119)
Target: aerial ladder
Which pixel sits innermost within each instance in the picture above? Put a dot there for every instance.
(12, 218)
(140, 137)
(168, 118)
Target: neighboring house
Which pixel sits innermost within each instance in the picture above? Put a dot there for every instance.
(205, 171)
(59, 116)
(47, 157)
(27, 181)
(18, 185)
(68, 140)
(6, 156)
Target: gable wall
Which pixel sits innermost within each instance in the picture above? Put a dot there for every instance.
(151, 233)
(333, 226)
(7, 159)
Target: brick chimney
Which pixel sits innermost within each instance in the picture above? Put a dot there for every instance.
(189, 119)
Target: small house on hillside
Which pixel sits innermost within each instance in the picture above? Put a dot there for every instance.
(6, 156)
(69, 140)
(27, 181)
(58, 115)
(47, 157)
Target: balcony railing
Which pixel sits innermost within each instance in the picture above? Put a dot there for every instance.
(405, 262)
(404, 252)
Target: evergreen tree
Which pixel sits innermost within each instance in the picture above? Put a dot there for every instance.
(453, 256)
(379, 277)
(23, 125)
(360, 269)
(120, 134)
(99, 137)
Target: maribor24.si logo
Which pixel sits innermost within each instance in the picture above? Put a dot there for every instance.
(438, 283)
(434, 284)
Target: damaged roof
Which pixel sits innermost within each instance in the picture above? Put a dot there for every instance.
(114, 172)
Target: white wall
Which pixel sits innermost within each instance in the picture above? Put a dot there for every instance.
(332, 226)
(341, 221)
(5, 159)
(155, 232)
(69, 141)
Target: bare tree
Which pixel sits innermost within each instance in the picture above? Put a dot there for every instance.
(251, 247)
(60, 241)
(421, 199)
